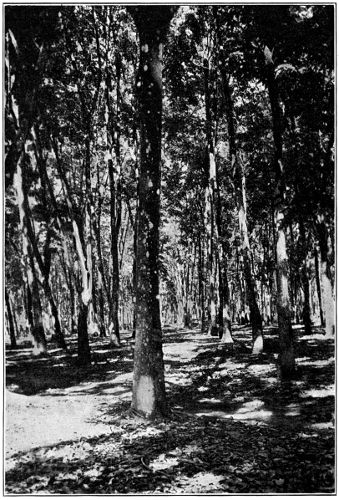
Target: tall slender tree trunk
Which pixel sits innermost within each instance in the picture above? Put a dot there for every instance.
(114, 254)
(212, 214)
(286, 338)
(114, 172)
(201, 285)
(149, 397)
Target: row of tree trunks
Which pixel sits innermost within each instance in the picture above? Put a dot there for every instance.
(239, 181)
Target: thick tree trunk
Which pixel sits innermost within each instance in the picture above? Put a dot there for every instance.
(286, 339)
(149, 397)
(10, 321)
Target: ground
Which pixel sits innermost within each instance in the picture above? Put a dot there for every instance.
(234, 426)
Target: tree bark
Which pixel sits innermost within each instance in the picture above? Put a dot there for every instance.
(286, 338)
(149, 398)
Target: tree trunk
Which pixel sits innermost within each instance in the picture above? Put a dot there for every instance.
(33, 302)
(149, 397)
(305, 281)
(114, 255)
(225, 332)
(212, 211)
(287, 356)
(84, 353)
(10, 321)
(317, 279)
(325, 246)
(201, 286)
(38, 333)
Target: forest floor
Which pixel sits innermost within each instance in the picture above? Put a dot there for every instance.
(235, 427)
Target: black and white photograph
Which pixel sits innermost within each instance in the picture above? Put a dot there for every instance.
(169, 246)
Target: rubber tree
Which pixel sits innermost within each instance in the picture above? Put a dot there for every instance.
(286, 338)
(149, 398)
(218, 293)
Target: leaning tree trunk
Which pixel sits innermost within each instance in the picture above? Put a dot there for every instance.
(10, 321)
(149, 397)
(286, 339)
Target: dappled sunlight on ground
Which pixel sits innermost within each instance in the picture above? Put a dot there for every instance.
(235, 426)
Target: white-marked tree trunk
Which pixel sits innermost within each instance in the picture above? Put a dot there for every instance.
(149, 398)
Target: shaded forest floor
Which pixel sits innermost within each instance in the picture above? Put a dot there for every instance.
(235, 427)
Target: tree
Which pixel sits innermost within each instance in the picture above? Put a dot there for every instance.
(148, 379)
